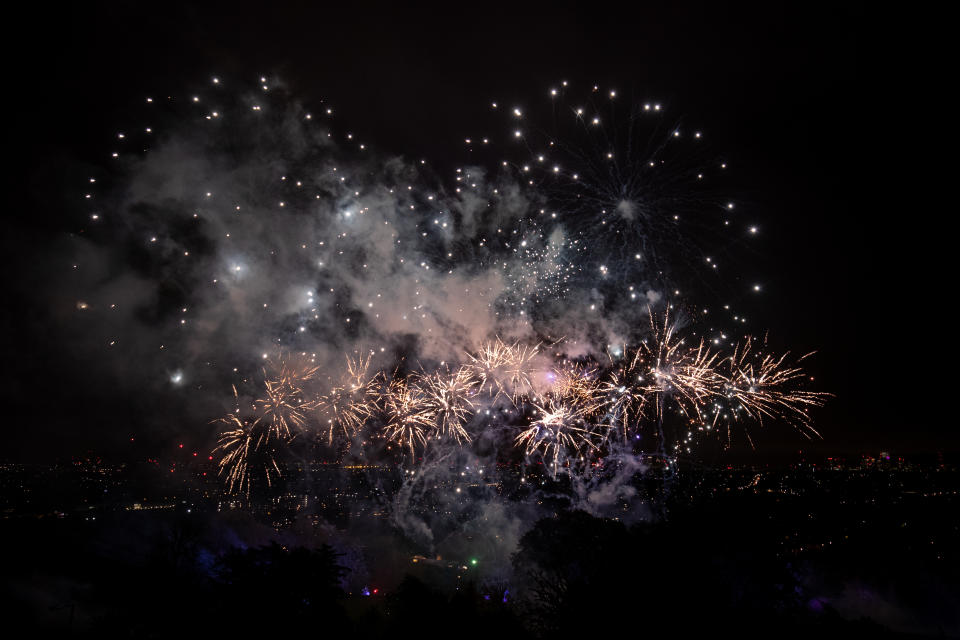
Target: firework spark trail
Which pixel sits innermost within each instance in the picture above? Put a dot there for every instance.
(502, 369)
(683, 375)
(583, 406)
(353, 401)
(450, 397)
(697, 376)
(625, 393)
(576, 386)
(293, 370)
(560, 431)
(409, 418)
(759, 384)
(519, 368)
(578, 382)
(285, 406)
(235, 444)
(570, 411)
(240, 442)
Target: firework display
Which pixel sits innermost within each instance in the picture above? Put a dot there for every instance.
(585, 412)
(502, 369)
(377, 305)
(245, 442)
(349, 404)
(408, 415)
(448, 397)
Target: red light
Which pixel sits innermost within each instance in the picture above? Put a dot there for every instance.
(181, 446)
(194, 454)
(376, 590)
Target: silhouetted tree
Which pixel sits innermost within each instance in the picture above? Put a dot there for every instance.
(572, 569)
(273, 588)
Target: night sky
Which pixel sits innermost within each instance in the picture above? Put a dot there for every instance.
(779, 90)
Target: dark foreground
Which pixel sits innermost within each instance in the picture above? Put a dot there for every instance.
(840, 553)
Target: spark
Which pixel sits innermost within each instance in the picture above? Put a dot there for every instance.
(450, 397)
(761, 385)
(244, 443)
(502, 369)
(351, 402)
(625, 392)
(408, 415)
(559, 432)
(285, 406)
